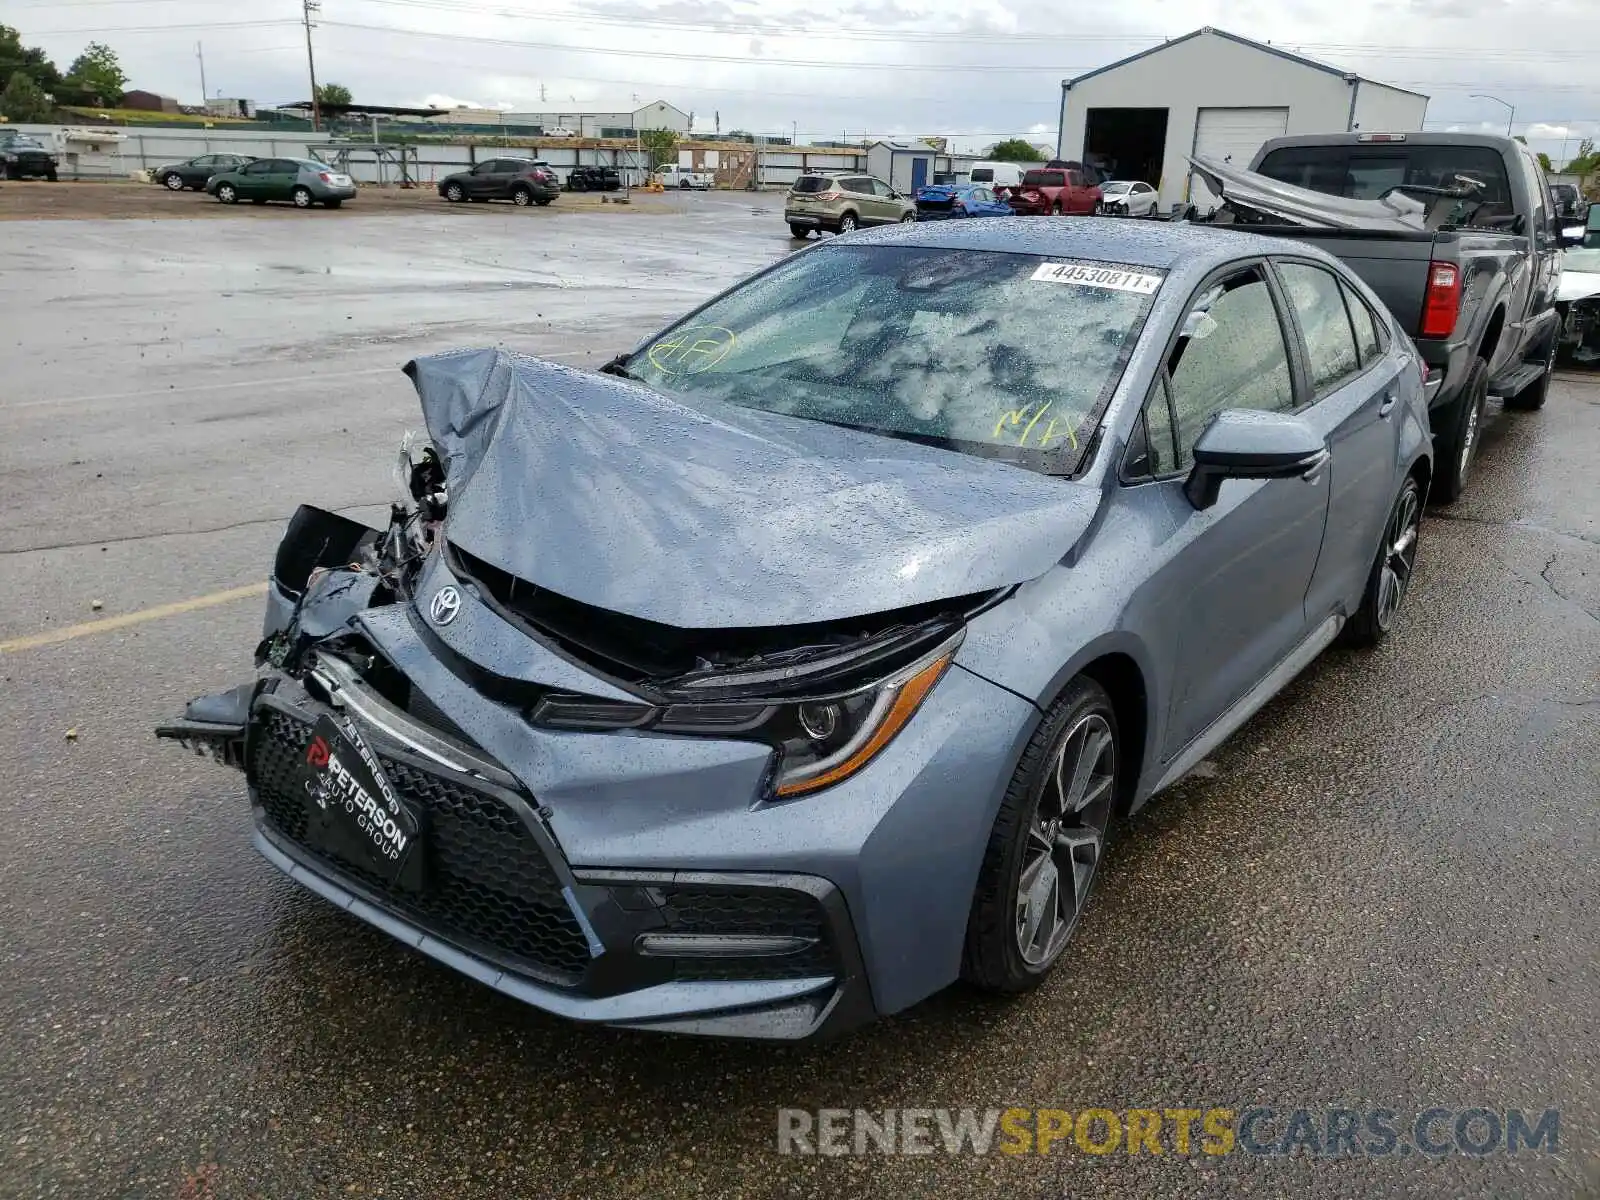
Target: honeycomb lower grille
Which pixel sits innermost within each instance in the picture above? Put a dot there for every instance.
(759, 911)
(490, 888)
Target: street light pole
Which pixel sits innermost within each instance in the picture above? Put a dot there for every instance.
(1512, 108)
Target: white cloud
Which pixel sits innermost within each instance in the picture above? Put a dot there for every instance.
(436, 100)
(971, 70)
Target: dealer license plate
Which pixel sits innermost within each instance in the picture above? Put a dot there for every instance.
(354, 813)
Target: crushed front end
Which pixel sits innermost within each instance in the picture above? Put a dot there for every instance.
(616, 819)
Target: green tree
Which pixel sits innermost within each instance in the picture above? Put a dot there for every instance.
(24, 100)
(1586, 160)
(332, 93)
(1544, 163)
(1015, 150)
(31, 61)
(96, 76)
(661, 144)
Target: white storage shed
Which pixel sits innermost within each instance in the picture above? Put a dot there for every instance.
(1219, 95)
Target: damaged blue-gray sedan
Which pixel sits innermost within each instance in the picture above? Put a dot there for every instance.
(800, 663)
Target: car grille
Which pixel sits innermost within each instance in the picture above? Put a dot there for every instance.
(490, 888)
(768, 911)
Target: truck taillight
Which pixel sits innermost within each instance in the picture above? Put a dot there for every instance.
(1441, 303)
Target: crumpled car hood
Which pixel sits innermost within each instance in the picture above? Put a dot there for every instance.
(1302, 206)
(609, 493)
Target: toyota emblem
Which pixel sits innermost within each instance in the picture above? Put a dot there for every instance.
(446, 604)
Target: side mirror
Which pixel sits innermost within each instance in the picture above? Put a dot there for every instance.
(1243, 444)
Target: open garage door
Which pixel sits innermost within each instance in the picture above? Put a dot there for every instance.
(1231, 134)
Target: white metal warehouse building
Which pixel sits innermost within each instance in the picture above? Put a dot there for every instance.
(1217, 95)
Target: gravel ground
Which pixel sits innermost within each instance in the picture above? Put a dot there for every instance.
(1378, 894)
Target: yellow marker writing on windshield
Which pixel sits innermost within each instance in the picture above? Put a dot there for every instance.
(1017, 416)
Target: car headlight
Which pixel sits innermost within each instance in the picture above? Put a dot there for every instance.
(11, 158)
(820, 741)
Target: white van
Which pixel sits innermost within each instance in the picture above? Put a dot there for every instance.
(685, 178)
(996, 174)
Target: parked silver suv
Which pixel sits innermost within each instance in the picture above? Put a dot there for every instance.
(841, 201)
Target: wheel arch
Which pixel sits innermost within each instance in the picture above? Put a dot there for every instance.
(1490, 341)
(1120, 675)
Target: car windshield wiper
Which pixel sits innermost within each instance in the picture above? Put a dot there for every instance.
(616, 367)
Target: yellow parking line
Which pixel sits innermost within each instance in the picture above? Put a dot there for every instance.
(108, 624)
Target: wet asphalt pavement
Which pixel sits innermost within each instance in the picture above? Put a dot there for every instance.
(1382, 894)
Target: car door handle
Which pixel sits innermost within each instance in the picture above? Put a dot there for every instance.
(1390, 399)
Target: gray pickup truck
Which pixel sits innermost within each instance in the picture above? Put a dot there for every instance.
(1457, 233)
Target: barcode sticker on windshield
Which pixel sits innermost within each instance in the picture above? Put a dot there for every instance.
(1083, 275)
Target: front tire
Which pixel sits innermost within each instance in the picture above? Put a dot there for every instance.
(50, 176)
(453, 193)
(302, 197)
(1046, 845)
(1457, 442)
(226, 194)
(1055, 209)
(172, 181)
(1392, 569)
(907, 218)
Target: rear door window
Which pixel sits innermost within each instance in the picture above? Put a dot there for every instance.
(1368, 343)
(1318, 305)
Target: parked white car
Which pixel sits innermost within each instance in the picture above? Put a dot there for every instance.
(1127, 198)
(683, 177)
(559, 131)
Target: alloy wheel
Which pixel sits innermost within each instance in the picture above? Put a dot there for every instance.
(1066, 838)
(847, 223)
(522, 197)
(453, 193)
(174, 182)
(1399, 556)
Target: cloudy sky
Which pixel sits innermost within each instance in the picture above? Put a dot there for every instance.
(972, 69)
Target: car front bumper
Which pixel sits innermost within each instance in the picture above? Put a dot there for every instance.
(546, 889)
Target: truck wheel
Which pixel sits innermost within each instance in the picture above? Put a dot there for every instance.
(1532, 397)
(1456, 438)
(1046, 844)
(1390, 576)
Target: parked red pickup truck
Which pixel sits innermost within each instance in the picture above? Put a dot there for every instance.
(1055, 191)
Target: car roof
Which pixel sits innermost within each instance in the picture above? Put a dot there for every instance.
(1161, 244)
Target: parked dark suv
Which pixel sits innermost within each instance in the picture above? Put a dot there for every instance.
(24, 156)
(593, 179)
(519, 180)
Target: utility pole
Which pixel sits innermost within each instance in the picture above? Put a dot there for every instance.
(312, 6)
(200, 53)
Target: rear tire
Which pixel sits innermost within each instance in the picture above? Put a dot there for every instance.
(521, 196)
(302, 197)
(51, 176)
(847, 223)
(545, 202)
(1532, 397)
(332, 203)
(1390, 577)
(799, 231)
(1055, 209)
(1457, 439)
(1052, 822)
(683, 185)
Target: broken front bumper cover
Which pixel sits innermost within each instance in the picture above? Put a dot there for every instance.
(730, 954)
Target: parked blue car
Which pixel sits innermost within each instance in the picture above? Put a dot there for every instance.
(800, 662)
(940, 201)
